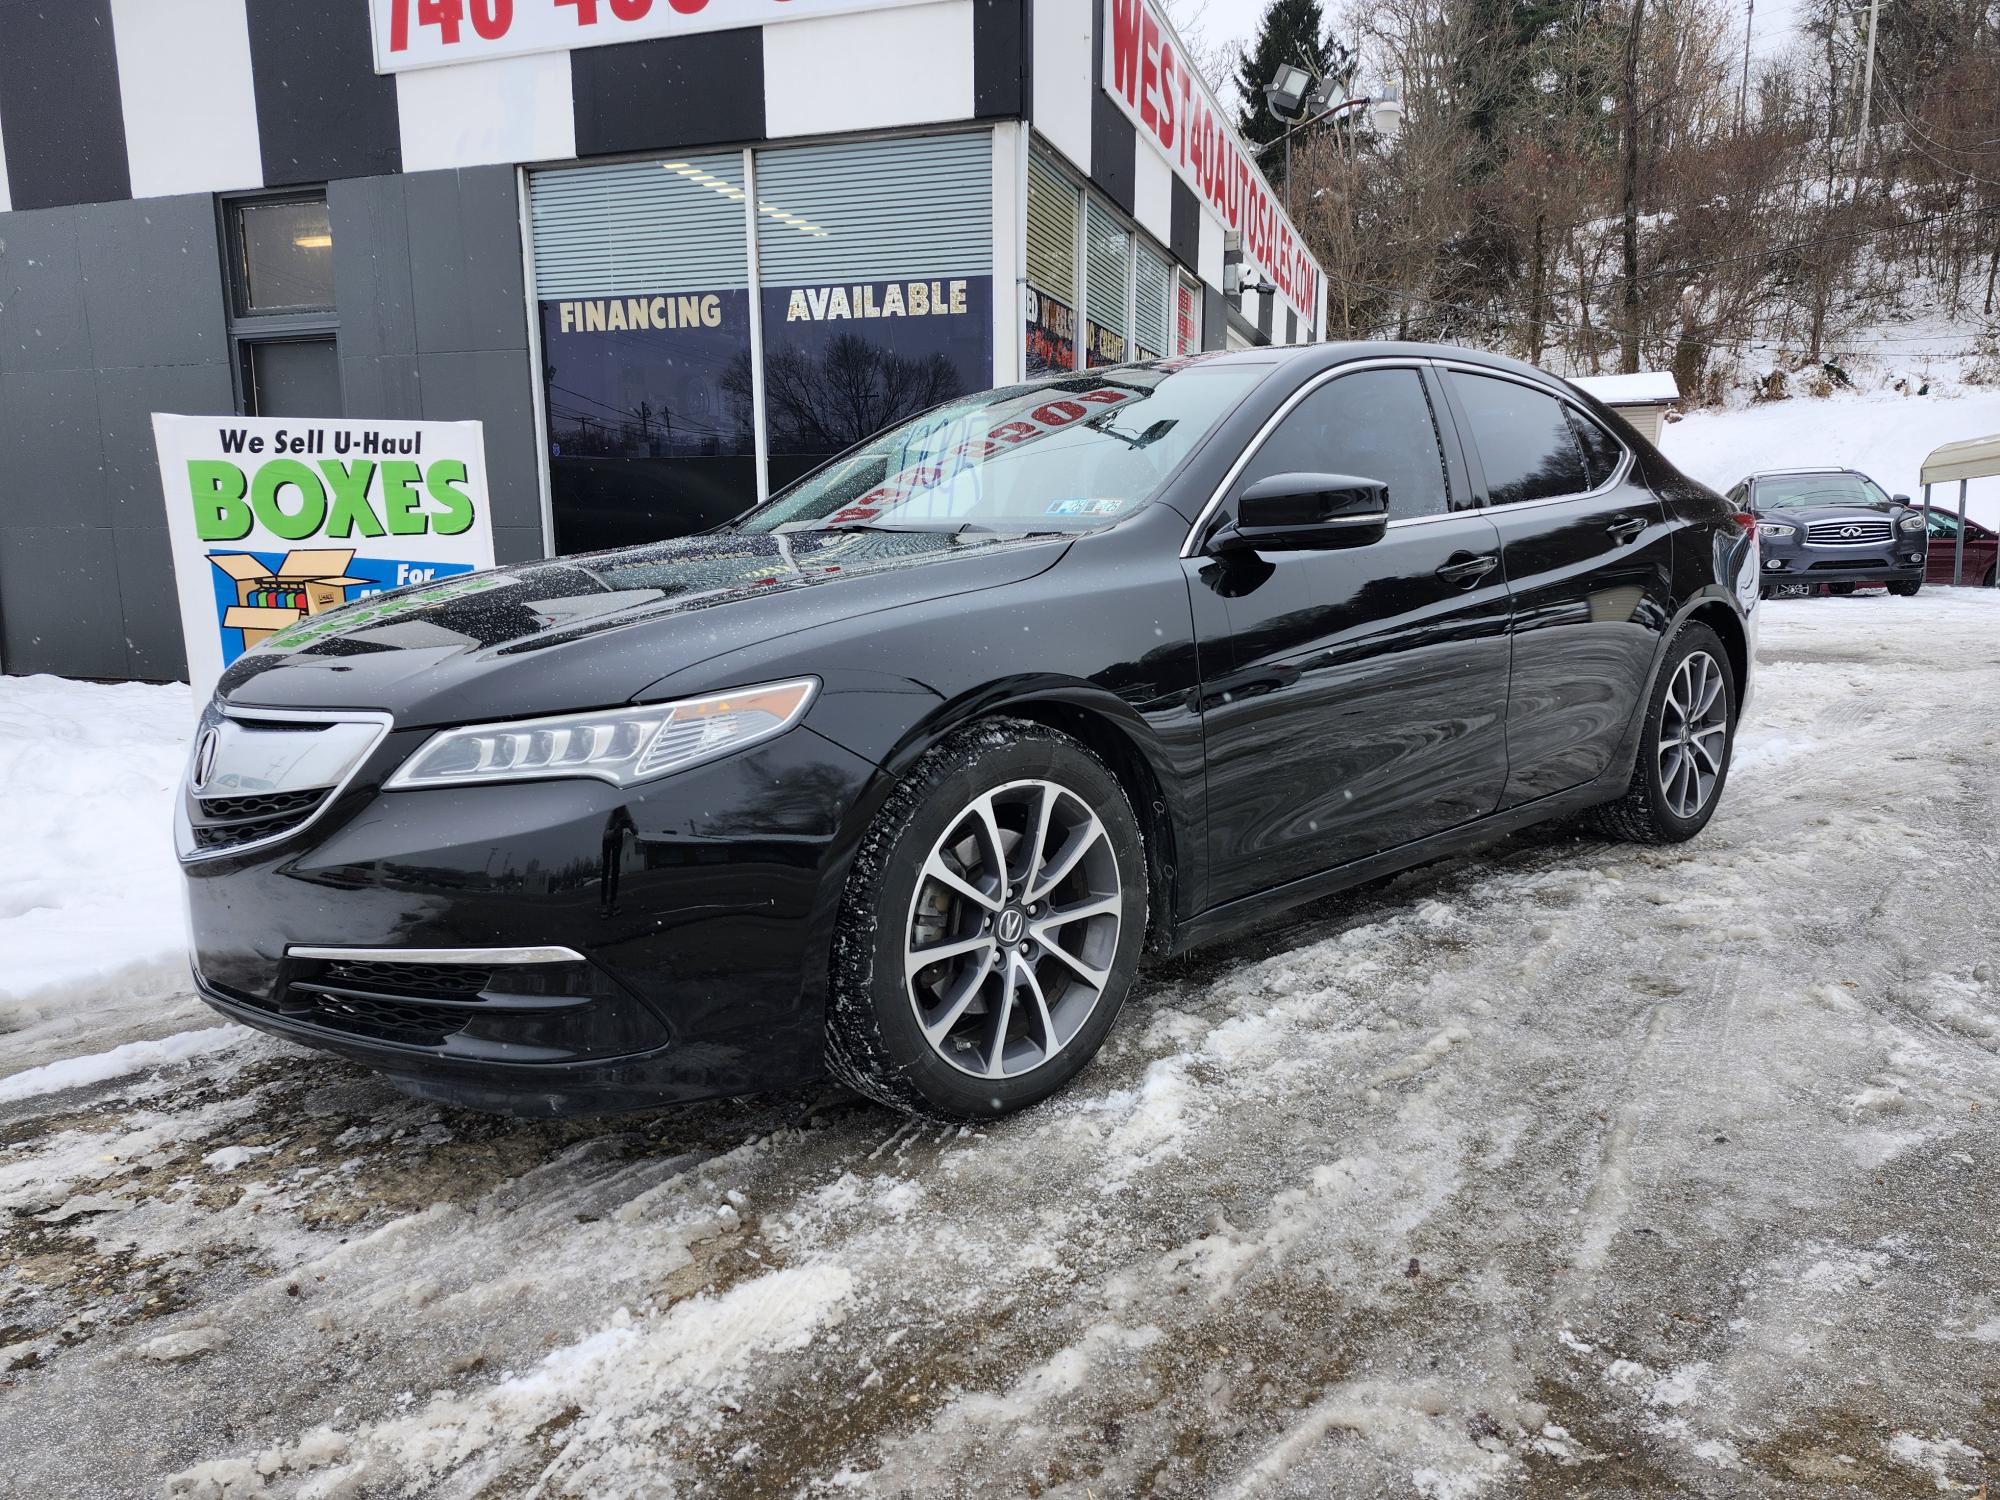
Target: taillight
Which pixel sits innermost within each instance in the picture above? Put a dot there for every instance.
(1747, 521)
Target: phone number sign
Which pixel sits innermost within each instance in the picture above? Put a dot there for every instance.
(427, 33)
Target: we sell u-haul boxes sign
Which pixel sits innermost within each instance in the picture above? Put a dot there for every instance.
(275, 521)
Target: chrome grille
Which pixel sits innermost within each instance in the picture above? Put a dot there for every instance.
(1857, 533)
(257, 775)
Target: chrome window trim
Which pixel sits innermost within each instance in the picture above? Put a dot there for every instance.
(1263, 435)
(184, 830)
(1618, 473)
(545, 954)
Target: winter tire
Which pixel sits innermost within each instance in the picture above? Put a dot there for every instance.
(990, 927)
(1906, 589)
(1841, 590)
(1684, 752)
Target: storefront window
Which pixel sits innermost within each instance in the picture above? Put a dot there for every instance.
(282, 323)
(876, 263)
(1150, 323)
(1052, 221)
(642, 280)
(283, 256)
(1107, 255)
(1187, 317)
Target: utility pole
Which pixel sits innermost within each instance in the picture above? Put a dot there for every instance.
(1629, 335)
(1867, 87)
(1743, 91)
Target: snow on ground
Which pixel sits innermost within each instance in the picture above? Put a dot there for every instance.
(91, 932)
(1566, 1167)
(1884, 435)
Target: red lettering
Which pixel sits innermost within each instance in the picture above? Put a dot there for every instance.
(1149, 70)
(1057, 413)
(631, 10)
(1166, 130)
(491, 18)
(586, 11)
(1125, 47)
(1105, 395)
(443, 14)
(399, 27)
(1015, 432)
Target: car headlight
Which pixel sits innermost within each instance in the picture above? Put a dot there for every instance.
(618, 745)
(1776, 528)
(1912, 523)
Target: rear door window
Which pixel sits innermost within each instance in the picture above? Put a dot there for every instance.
(1376, 424)
(1526, 444)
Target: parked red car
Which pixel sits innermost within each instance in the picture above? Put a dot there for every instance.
(1982, 549)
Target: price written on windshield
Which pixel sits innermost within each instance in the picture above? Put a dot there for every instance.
(425, 33)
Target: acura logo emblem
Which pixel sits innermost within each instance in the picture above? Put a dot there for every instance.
(204, 757)
(1012, 925)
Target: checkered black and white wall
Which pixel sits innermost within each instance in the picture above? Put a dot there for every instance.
(121, 121)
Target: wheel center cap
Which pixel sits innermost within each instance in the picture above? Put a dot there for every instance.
(1012, 926)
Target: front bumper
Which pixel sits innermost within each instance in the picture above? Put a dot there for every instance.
(1792, 560)
(694, 915)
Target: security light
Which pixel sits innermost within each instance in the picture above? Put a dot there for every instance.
(1287, 89)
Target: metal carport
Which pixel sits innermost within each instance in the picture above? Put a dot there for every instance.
(1965, 460)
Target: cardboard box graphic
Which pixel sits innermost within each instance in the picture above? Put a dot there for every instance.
(306, 583)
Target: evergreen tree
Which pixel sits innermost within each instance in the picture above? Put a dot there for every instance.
(1295, 32)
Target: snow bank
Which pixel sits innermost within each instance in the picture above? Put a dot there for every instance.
(1885, 436)
(132, 1057)
(90, 903)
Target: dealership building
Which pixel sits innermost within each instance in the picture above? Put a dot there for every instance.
(671, 253)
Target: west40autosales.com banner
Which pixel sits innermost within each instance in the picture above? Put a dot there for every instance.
(423, 33)
(1151, 80)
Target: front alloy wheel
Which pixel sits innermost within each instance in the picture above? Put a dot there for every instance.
(991, 925)
(1013, 929)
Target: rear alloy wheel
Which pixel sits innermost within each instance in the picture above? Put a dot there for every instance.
(997, 910)
(1684, 754)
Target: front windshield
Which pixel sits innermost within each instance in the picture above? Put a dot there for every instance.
(1057, 455)
(1803, 491)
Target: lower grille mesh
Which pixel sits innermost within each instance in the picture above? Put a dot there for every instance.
(386, 1020)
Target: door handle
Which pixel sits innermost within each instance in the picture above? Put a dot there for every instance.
(1627, 527)
(1466, 569)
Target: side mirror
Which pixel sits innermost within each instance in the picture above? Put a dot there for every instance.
(1902, 500)
(1307, 512)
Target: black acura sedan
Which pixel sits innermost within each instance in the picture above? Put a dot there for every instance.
(902, 773)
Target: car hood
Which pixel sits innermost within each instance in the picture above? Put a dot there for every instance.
(1854, 511)
(581, 632)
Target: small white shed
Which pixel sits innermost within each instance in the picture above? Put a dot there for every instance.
(1641, 399)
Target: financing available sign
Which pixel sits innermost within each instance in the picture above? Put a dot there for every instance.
(276, 520)
(425, 33)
